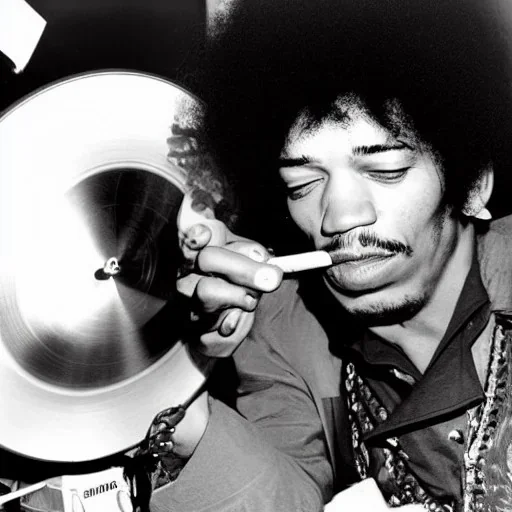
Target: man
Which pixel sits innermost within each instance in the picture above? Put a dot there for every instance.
(383, 124)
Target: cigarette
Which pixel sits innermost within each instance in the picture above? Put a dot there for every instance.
(268, 280)
(302, 261)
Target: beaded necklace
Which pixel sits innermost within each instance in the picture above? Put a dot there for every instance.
(487, 485)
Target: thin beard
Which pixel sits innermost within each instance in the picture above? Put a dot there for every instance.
(390, 314)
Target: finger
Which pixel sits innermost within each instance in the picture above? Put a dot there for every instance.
(213, 344)
(188, 217)
(230, 321)
(197, 237)
(186, 285)
(248, 248)
(232, 239)
(191, 241)
(239, 269)
(213, 294)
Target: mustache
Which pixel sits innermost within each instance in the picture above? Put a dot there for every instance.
(367, 239)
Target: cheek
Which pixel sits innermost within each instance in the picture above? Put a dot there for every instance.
(418, 228)
(417, 208)
(305, 216)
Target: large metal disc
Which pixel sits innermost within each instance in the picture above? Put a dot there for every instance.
(90, 322)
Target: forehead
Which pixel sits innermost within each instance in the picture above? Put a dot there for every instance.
(332, 135)
(348, 126)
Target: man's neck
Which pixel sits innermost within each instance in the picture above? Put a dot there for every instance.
(420, 336)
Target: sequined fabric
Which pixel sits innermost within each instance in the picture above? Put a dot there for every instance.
(487, 485)
(398, 485)
(487, 460)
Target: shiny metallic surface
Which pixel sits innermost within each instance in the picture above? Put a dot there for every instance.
(456, 436)
(70, 327)
(90, 321)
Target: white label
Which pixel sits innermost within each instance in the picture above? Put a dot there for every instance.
(106, 491)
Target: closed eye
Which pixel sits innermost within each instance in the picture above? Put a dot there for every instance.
(299, 180)
(297, 191)
(388, 176)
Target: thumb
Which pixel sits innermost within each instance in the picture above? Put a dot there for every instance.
(188, 217)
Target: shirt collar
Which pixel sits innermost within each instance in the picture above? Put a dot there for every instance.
(434, 394)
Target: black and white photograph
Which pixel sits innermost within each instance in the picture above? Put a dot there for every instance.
(255, 255)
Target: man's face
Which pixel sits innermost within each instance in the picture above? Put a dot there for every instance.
(377, 200)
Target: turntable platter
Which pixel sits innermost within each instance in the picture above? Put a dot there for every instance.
(90, 321)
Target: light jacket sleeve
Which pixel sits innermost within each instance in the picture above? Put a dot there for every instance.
(271, 455)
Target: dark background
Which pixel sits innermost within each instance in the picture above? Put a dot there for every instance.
(155, 36)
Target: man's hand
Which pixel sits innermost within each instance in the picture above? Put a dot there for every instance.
(225, 284)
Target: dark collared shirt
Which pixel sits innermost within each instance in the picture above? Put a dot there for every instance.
(424, 409)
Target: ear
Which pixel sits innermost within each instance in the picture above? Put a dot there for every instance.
(486, 184)
(479, 195)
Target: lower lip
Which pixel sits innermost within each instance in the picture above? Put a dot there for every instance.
(367, 261)
(363, 273)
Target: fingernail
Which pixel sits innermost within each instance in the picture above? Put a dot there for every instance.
(196, 235)
(250, 301)
(193, 243)
(230, 323)
(257, 255)
(266, 279)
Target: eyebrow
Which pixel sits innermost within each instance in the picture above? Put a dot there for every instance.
(379, 148)
(294, 162)
(356, 151)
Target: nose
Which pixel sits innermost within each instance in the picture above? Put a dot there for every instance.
(347, 204)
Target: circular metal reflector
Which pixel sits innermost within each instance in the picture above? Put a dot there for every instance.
(90, 321)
